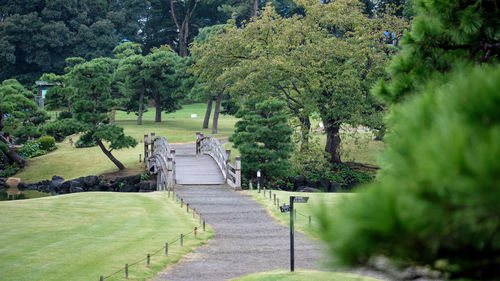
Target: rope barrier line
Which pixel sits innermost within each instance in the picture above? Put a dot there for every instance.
(150, 255)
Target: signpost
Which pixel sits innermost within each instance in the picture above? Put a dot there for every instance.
(289, 208)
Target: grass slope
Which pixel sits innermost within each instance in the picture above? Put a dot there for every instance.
(304, 210)
(304, 275)
(84, 235)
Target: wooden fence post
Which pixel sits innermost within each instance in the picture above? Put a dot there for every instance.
(278, 202)
(237, 171)
(187, 207)
(146, 148)
(140, 158)
(126, 271)
(148, 257)
(198, 138)
(101, 278)
(182, 239)
(166, 249)
(195, 232)
(194, 212)
(274, 196)
(152, 142)
(170, 171)
(182, 202)
(203, 225)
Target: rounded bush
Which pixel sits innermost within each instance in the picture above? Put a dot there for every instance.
(47, 142)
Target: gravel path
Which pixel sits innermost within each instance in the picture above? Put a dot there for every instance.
(246, 239)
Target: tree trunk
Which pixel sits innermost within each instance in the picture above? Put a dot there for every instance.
(216, 113)
(305, 128)
(255, 8)
(183, 28)
(207, 113)
(141, 101)
(110, 156)
(11, 154)
(332, 141)
(157, 105)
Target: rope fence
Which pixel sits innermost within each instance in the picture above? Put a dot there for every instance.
(267, 193)
(125, 270)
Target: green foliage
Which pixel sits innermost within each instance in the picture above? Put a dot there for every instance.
(263, 138)
(435, 201)
(144, 177)
(47, 143)
(85, 140)
(10, 170)
(64, 115)
(31, 149)
(18, 113)
(64, 127)
(3, 148)
(444, 36)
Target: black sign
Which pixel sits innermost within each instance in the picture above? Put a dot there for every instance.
(285, 208)
(300, 199)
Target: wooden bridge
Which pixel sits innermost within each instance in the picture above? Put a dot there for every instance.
(203, 163)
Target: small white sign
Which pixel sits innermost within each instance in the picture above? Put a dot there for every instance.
(321, 125)
(194, 115)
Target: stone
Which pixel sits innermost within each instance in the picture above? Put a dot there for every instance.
(129, 188)
(147, 186)
(323, 183)
(56, 183)
(307, 189)
(91, 181)
(334, 186)
(64, 188)
(75, 186)
(12, 182)
(103, 187)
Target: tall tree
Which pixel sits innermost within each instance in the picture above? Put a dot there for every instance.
(17, 111)
(263, 138)
(93, 103)
(163, 71)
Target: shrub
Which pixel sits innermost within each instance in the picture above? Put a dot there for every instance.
(10, 170)
(3, 148)
(64, 115)
(31, 149)
(47, 143)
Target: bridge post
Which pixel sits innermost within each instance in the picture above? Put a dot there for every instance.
(237, 170)
(172, 152)
(145, 147)
(158, 180)
(198, 138)
(228, 160)
(152, 142)
(170, 171)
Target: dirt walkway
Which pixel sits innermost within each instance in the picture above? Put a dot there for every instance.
(246, 240)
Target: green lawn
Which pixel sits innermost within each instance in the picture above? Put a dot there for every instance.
(304, 275)
(304, 210)
(84, 235)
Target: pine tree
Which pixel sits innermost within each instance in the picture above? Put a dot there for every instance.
(263, 138)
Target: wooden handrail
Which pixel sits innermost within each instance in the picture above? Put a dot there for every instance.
(160, 160)
(211, 146)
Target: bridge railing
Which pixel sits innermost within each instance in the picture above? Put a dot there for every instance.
(211, 146)
(160, 160)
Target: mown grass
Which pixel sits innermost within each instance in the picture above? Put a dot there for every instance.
(304, 210)
(304, 275)
(84, 235)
